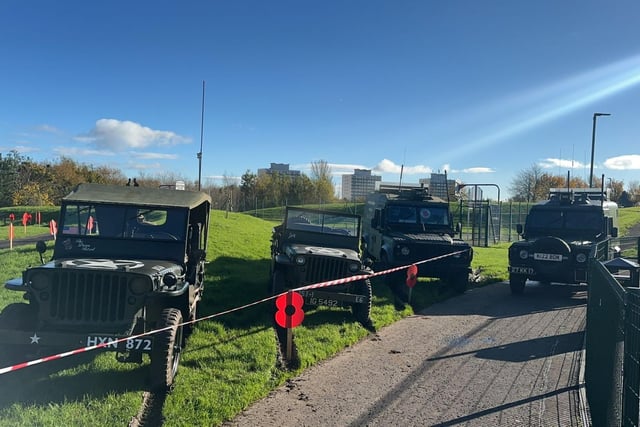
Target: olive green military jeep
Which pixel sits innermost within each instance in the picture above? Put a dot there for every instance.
(126, 261)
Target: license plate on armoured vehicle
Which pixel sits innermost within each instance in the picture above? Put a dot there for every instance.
(521, 270)
(547, 257)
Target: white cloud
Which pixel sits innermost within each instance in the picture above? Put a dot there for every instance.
(626, 162)
(342, 169)
(119, 135)
(336, 168)
(145, 166)
(563, 163)
(151, 156)
(72, 152)
(49, 129)
(478, 170)
(387, 165)
(23, 149)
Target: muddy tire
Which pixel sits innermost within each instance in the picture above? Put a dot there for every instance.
(167, 348)
(516, 283)
(18, 316)
(459, 282)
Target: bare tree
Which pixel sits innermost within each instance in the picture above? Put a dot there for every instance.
(525, 187)
(322, 180)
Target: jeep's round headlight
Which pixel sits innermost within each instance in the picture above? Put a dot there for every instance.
(524, 254)
(404, 250)
(139, 286)
(581, 257)
(353, 267)
(169, 280)
(40, 281)
(300, 260)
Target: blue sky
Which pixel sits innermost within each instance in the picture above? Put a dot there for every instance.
(482, 89)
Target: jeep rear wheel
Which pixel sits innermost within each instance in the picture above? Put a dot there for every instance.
(516, 283)
(167, 348)
(362, 311)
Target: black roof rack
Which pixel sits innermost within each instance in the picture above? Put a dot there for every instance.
(577, 195)
(406, 192)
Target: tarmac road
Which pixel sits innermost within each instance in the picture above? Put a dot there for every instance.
(485, 358)
(4, 244)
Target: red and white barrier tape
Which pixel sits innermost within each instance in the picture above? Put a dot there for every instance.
(155, 331)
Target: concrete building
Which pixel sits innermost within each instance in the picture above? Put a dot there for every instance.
(357, 185)
(439, 185)
(281, 168)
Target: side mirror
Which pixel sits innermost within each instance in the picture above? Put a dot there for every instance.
(519, 228)
(41, 247)
(614, 232)
(367, 262)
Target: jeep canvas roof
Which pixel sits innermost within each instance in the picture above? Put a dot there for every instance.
(140, 196)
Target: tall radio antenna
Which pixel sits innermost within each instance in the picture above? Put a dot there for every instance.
(201, 138)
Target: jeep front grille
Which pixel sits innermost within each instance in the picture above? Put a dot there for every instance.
(320, 269)
(85, 297)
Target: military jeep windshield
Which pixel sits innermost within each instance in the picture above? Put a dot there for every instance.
(118, 221)
(330, 229)
(417, 215)
(564, 222)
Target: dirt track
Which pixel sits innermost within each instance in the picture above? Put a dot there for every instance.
(485, 358)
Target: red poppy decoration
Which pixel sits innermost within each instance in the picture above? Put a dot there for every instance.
(290, 313)
(412, 275)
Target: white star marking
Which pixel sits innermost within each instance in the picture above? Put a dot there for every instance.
(35, 339)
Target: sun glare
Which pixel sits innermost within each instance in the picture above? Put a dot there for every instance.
(545, 104)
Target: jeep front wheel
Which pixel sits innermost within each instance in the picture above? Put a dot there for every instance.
(516, 283)
(167, 347)
(19, 316)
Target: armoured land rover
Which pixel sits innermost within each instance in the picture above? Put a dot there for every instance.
(559, 234)
(313, 246)
(126, 261)
(403, 226)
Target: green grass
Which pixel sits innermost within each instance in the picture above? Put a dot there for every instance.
(627, 217)
(491, 262)
(230, 359)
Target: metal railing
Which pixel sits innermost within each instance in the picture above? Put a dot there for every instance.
(612, 370)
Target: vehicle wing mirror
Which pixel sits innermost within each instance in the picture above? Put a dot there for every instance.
(41, 247)
(519, 228)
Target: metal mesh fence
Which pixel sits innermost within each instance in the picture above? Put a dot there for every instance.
(484, 223)
(612, 347)
(631, 364)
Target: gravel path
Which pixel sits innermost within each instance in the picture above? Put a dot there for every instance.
(485, 358)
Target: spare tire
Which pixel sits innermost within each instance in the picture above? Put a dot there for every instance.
(552, 246)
